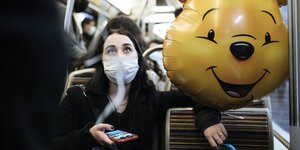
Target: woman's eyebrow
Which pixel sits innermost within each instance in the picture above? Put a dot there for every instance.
(127, 44)
(110, 46)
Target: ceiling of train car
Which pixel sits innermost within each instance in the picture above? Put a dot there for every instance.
(132, 8)
(154, 16)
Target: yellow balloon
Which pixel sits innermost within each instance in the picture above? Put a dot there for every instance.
(225, 53)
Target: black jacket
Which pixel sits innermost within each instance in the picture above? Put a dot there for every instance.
(76, 117)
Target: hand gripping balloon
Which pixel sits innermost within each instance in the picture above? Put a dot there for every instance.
(225, 53)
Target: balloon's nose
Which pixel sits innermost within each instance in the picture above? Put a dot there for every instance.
(241, 50)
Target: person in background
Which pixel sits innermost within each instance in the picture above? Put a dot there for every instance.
(155, 69)
(155, 74)
(88, 30)
(77, 49)
(153, 65)
(33, 73)
(138, 111)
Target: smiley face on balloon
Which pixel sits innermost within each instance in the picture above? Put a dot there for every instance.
(226, 53)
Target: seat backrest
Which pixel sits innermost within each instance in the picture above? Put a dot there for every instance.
(79, 78)
(248, 128)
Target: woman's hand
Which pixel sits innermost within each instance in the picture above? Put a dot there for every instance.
(216, 134)
(97, 132)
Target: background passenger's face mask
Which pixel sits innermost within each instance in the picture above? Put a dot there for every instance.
(91, 31)
(125, 69)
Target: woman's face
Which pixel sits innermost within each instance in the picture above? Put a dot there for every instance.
(118, 46)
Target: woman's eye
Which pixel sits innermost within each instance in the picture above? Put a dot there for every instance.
(127, 50)
(111, 51)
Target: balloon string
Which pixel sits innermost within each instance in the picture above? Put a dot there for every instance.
(235, 116)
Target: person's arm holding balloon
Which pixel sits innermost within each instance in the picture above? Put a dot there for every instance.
(208, 121)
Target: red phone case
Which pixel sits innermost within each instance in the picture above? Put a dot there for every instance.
(120, 136)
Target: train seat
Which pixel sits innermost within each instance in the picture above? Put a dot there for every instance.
(248, 128)
(78, 78)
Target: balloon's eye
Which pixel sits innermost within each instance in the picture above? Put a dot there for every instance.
(268, 39)
(210, 36)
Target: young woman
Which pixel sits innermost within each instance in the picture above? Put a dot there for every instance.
(140, 107)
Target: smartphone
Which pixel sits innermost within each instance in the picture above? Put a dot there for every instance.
(120, 136)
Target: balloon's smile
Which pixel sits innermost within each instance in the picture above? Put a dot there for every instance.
(236, 90)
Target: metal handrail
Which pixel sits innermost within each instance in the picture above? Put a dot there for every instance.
(71, 78)
(277, 133)
(68, 15)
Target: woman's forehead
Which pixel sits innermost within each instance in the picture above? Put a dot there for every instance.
(117, 39)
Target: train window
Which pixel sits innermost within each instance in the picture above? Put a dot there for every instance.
(280, 106)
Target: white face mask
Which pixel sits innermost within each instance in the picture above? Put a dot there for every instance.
(117, 69)
(91, 31)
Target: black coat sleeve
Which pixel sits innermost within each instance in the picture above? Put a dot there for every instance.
(171, 99)
(69, 133)
(205, 117)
